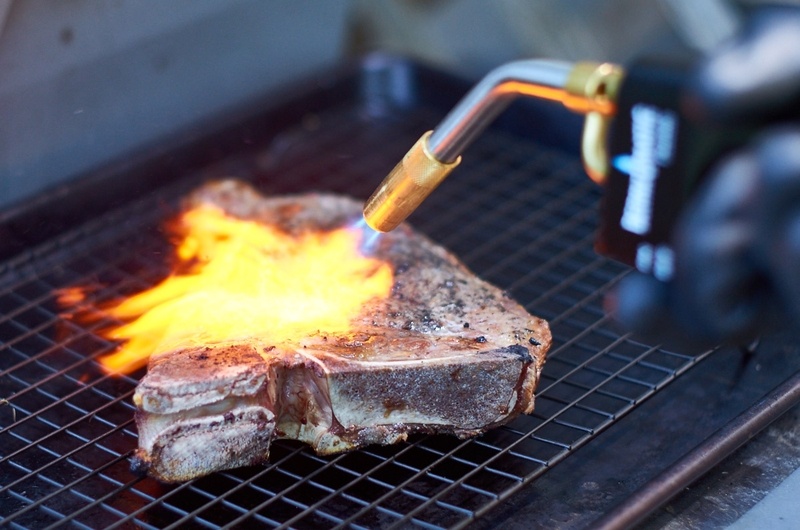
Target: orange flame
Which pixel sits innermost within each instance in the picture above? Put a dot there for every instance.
(245, 280)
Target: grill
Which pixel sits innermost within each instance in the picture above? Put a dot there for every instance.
(612, 413)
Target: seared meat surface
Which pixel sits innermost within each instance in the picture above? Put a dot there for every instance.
(444, 353)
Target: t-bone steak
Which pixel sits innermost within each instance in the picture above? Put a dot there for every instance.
(446, 352)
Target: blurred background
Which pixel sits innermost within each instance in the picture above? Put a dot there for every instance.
(84, 82)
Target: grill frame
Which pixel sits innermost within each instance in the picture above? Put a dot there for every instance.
(380, 106)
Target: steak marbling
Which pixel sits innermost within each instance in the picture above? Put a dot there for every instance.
(445, 353)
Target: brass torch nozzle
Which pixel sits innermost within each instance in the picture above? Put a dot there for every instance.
(587, 88)
(408, 184)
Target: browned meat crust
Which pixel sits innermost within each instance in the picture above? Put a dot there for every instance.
(445, 353)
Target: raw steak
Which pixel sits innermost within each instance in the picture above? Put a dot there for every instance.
(445, 353)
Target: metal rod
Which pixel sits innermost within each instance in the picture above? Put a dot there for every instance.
(702, 458)
(488, 98)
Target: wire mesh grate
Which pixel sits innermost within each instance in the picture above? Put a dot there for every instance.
(520, 215)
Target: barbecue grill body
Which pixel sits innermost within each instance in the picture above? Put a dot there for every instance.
(611, 412)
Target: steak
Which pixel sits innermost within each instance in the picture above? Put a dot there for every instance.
(445, 353)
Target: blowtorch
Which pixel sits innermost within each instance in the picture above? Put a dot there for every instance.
(637, 142)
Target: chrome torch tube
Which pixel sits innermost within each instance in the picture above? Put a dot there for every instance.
(588, 88)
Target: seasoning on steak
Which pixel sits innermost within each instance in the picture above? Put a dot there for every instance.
(445, 353)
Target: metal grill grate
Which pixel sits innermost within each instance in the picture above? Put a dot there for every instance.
(521, 215)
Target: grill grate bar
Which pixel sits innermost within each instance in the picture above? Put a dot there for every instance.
(585, 388)
(132, 516)
(532, 220)
(409, 516)
(61, 401)
(36, 331)
(475, 202)
(249, 482)
(554, 234)
(65, 456)
(77, 331)
(550, 293)
(321, 502)
(24, 306)
(341, 491)
(401, 486)
(65, 518)
(104, 230)
(306, 509)
(529, 478)
(577, 368)
(55, 515)
(39, 503)
(36, 387)
(27, 334)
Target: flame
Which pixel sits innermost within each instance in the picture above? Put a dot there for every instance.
(240, 279)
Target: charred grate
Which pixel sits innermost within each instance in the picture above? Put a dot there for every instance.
(521, 215)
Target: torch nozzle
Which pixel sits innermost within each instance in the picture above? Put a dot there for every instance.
(588, 88)
(406, 186)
